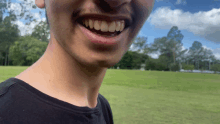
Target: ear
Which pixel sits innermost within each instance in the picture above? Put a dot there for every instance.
(40, 3)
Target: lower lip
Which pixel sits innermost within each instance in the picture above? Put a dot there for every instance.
(97, 39)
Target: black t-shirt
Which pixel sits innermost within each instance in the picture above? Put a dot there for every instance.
(21, 103)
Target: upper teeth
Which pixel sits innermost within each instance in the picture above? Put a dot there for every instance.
(105, 26)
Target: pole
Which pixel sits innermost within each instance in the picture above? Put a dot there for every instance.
(209, 65)
(6, 59)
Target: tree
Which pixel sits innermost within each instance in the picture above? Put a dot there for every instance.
(215, 67)
(3, 30)
(195, 52)
(16, 54)
(188, 67)
(161, 45)
(9, 32)
(126, 61)
(137, 59)
(3, 8)
(198, 54)
(8, 35)
(27, 50)
(164, 60)
(140, 44)
(151, 64)
(174, 67)
(170, 45)
(41, 31)
(141, 47)
(26, 13)
(207, 56)
(174, 38)
(155, 64)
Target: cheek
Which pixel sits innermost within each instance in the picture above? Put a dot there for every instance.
(142, 10)
(143, 7)
(146, 3)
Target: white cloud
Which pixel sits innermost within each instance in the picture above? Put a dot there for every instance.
(217, 55)
(204, 24)
(37, 16)
(25, 29)
(216, 52)
(28, 4)
(16, 8)
(132, 47)
(20, 27)
(208, 48)
(155, 55)
(183, 48)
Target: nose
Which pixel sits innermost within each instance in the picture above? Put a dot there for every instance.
(116, 3)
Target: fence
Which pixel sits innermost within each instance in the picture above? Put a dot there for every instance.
(199, 71)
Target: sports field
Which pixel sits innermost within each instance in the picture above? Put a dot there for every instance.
(152, 97)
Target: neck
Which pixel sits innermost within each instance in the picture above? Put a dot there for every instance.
(58, 74)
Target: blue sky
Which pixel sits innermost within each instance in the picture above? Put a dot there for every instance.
(198, 20)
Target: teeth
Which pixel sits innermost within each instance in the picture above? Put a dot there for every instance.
(118, 26)
(87, 23)
(122, 26)
(91, 24)
(111, 27)
(105, 26)
(96, 25)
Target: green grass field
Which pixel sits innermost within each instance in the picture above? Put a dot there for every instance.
(151, 97)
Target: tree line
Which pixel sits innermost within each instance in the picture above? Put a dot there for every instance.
(172, 57)
(17, 50)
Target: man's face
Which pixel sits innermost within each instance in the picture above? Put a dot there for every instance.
(66, 19)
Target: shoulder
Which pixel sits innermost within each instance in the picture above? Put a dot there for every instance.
(103, 98)
(6, 99)
(5, 94)
(5, 86)
(106, 109)
(104, 101)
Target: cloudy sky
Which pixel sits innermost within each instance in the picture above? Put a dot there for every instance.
(198, 20)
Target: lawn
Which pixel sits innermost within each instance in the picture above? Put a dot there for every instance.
(152, 97)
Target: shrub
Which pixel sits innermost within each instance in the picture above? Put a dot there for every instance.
(188, 67)
(174, 67)
(215, 67)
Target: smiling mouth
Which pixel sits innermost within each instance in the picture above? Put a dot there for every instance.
(104, 28)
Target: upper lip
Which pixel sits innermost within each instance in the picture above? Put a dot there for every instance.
(128, 20)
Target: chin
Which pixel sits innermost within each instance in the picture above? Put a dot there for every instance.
(103, 63)
(109, 61)
(106, 64)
